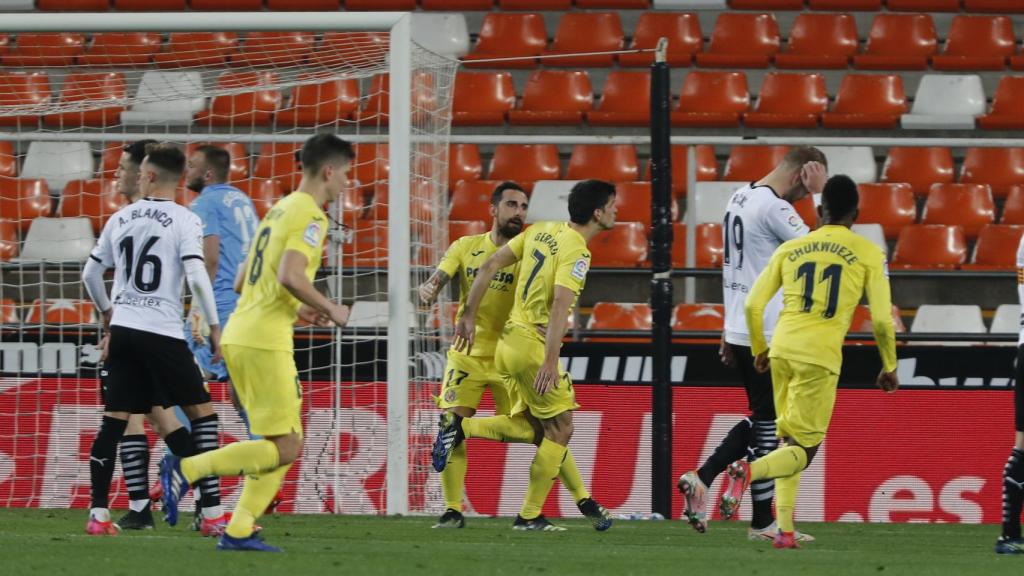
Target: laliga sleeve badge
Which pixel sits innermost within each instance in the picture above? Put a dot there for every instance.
(311, 235)
(579, 269)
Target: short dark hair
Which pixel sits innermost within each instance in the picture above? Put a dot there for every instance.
(167, 157)
(217, 159)
(137, 150)
(323, 148)
(840, 197)
(500, 190)
(800, 155)
(587, 196)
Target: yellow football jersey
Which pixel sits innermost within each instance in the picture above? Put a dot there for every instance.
(550, 254)
(266, 311)
(823, 277)
(464, 257)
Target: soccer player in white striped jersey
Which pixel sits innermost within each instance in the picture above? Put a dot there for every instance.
(1010, 542)
(758, 219)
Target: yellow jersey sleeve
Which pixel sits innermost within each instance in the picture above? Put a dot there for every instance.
(765, 287)
(451, 262)
(306, 231)
(572, 266)
(880, 301)
(517, 244)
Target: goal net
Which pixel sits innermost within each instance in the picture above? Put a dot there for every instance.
(71, 100)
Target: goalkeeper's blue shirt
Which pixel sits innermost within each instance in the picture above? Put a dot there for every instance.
(229, 214)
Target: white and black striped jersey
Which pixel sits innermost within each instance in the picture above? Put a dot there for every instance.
(756, 222)
(1020, 289)
(147, 243)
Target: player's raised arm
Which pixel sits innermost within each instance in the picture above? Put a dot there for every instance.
(766, 285)
(465, 329)
(880, 303)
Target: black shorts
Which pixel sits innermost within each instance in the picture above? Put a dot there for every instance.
(1018, 391)
(145, 369)
(760, 399)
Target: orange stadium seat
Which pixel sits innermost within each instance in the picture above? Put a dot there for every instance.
(140, 5)
(923, 5)
(509, 35)
(121, 49)
(969, 206)
(554, 97)
(44, 49)
(709, 245)
(624, 246)
(609, 162)
(185, 49)
(1000, 168)
(471, 200)
(366, 246)
(623, 4)
(977, 43)
(8, 161)
(245, 109)
(337, 49)
(1007, 111)
(23, 89)
(751, 163)
(861, 321)
(580, 32)
(320, 103)
(930, 246)
(66, 5)
(262, 192)
(371, 165)
(890, 205)
(482, 98)
(698, 317)
(306, 5)
(819, 41)
(683, 33)
(858, 5)
(21, 200)
(789, 101)
(535, 4)
(1013, 207)
(405, 5)
(867, 101)
(619, 105)
(457, 229)
(633, 200)
(94, 88)
(766, 4)
(617, 316)
(239, 158)
(993, 6)
(246, 5)
(457, 4)
(376, 109)
(807, 211)
(61, 311)
(707, 167)
(919, 167)
(464, 163)
(273, 49)
(109, 159)
(8, 239)
(92, 199)
(525, 163)
(712, 99)
(741, 41)
(277, 161)
(898, 42)
(996, 248)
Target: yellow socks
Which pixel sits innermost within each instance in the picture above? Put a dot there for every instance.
(785, 500)
(258, 492)
(545, 467)
(501, 428)
(453, 478)
(248, 457)
(780, 463)
(569, 474)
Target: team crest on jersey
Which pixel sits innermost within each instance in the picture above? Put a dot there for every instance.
(579, 269)
(449, 395)
(312, 234)
(794, 221)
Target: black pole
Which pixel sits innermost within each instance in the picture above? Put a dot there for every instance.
(661, 286)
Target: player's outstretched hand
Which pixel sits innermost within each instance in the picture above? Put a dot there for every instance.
(215, 343)
(338, 314)
(725, 353)
(888, 381)
(813, 176)
(428, 290)
(762, 363)
(546, 378)
(465, 332)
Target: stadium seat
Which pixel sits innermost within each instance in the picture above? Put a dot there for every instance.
(919, 167)
(554, 97)
(365, 314)
(709, 245)
(867, 101)
(262, 192)
(320, 103)
(619, 105)
(619, 316)
(482, 98)
(338, 49)
(713, 198)
(239, 158)
(1007, 112)
(456, 5)
(61, 311)
(624, 4)
(58, 240)
(121, 49)
(930, 246)
(463, 163)
(8, 162)
(92, 199)
(140, 5)
(525, 163)
(509, 35)
(874, 233)
(861, 321)
(68, 5)
(457, 229)
(535, 4)
(371, 165)
(789, 101)
(248, 108)
(375, 111)
(898, 42)
(366, 247)
(751, 163)
(23, 89)
(609, 162)
(807, 209)
(683, 33)
(1007, 319)
(8, 239)
(44, 49)
(741, 41)
(996, 248)
(633, 203)
(969, 206)
(58, 162)
(273, 49)
(21, 200)
(166, 98)
(890, 205)
(993, 6)
(948, 318)
(96, 89)
(1013, 207)
(110, 157)
(707, 167)
(624, 246)
(698, 317)
(946, 102)
(245, 5)
(977, 43)
(187, 49)
(1000, 168)
(277, 161)
(471, 200)
(580, 32)
(549, 201)
(819, 41)
(923, 5)
(858, 5)
(712, 99)
(857, 162)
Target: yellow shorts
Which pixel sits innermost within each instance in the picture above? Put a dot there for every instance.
(466, 377)
(804, 397)
(267, 385)
(518, 358)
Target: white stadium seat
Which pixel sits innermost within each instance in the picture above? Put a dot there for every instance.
(169, 98)
(857, 162)
(58, 240)
(948, 318)
(874, 233)
(444, 34)
(366, 314)
(550, 201)
(945, 102)
(1006, 320)
(712, 199)
(58, 162)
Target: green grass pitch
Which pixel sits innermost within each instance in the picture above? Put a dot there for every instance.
(53, 542)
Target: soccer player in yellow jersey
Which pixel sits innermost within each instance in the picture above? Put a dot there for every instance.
(554, 264)
(823, 276)
(276, 289)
